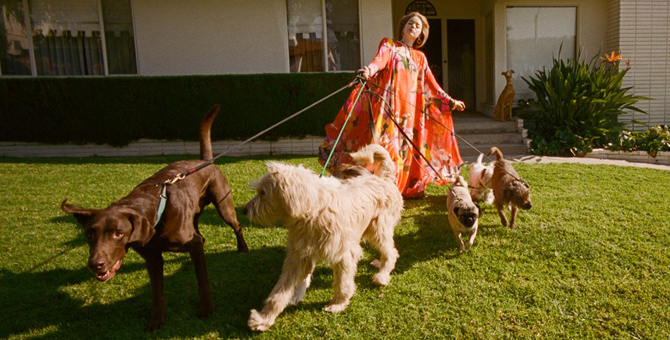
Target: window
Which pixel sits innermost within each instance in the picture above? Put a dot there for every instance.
(534, 37)
(311, 46)
(63, 38)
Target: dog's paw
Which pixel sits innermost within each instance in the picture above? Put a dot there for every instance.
(258, 323)
(156, 320)
(376, 263)
(154, 325)
(336, 307)
(205, 309)
(381, 279)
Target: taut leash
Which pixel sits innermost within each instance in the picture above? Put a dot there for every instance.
(163, 195)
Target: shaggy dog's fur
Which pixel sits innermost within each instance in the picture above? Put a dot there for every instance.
(480, 181)
(346, 171)
(463, 214)
(508, 189)
(326, 221)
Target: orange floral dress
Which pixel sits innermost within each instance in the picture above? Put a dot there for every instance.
(402, 108)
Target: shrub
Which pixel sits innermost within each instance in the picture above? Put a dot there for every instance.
(655, 139)
(578, 104)
(119, 110)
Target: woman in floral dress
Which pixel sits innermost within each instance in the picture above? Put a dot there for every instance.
(400, 84)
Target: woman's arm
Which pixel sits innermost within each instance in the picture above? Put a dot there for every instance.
(437, 91)
(380, 60)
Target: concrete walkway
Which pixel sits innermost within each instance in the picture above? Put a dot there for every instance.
(578, 160)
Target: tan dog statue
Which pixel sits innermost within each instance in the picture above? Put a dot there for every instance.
(503, 110)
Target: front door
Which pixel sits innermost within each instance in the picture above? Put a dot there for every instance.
(461, 60)
(433, 49)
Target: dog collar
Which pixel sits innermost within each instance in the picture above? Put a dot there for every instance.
(161, 204)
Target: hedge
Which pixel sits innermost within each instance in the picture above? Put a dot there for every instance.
(119, 110)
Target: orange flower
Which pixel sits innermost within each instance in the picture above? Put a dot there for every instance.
(613, 58)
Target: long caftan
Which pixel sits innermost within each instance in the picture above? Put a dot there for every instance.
(401, 85)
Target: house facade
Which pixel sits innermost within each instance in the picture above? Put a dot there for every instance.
(471, 42)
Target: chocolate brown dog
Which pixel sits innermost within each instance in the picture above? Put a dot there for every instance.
(131, 223)
(508, 189)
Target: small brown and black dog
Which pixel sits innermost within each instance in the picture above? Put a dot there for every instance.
(131, 223)
(508, 189)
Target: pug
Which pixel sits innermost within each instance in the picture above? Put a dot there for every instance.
(463, 213)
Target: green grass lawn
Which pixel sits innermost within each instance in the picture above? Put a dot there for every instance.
(590, 260)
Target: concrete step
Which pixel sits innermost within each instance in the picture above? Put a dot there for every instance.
(478, 133)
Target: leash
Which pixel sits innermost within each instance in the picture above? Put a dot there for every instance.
(211, 161)
(445, 127)
(163, 195)
(389, 114)
(361, 81)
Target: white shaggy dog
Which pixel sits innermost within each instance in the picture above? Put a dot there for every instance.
(480, 181)
(326, 221)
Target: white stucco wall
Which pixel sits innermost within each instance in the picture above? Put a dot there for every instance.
(175, 37)
(376, 23)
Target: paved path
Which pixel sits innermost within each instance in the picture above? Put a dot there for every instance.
(579, 160)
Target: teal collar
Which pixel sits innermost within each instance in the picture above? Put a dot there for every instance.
(161, 204)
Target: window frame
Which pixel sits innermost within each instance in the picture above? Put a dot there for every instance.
(103, 40)
(520, 85)
(324, 42)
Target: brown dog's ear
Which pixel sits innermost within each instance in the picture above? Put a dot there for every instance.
(142, 229)
(81, 214)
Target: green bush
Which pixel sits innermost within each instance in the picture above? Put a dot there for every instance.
(119, 110)
(577, 105)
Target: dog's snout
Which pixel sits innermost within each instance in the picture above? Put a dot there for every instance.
(527, 206)
(96, 264)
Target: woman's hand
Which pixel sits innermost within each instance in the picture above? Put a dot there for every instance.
(459, 105)
(365, 72)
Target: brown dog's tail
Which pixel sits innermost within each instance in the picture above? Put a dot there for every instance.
(495, 151)
(206, 133)
(376, 154)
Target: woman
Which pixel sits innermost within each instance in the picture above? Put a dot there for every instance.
(402, 107)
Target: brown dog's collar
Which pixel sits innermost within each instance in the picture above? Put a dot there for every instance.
(161, 204)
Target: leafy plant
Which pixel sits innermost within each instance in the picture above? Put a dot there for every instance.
(578, 104)
(655, 139)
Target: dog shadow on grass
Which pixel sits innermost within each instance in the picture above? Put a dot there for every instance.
(66, 303)
(431, 236)
(50, 304)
